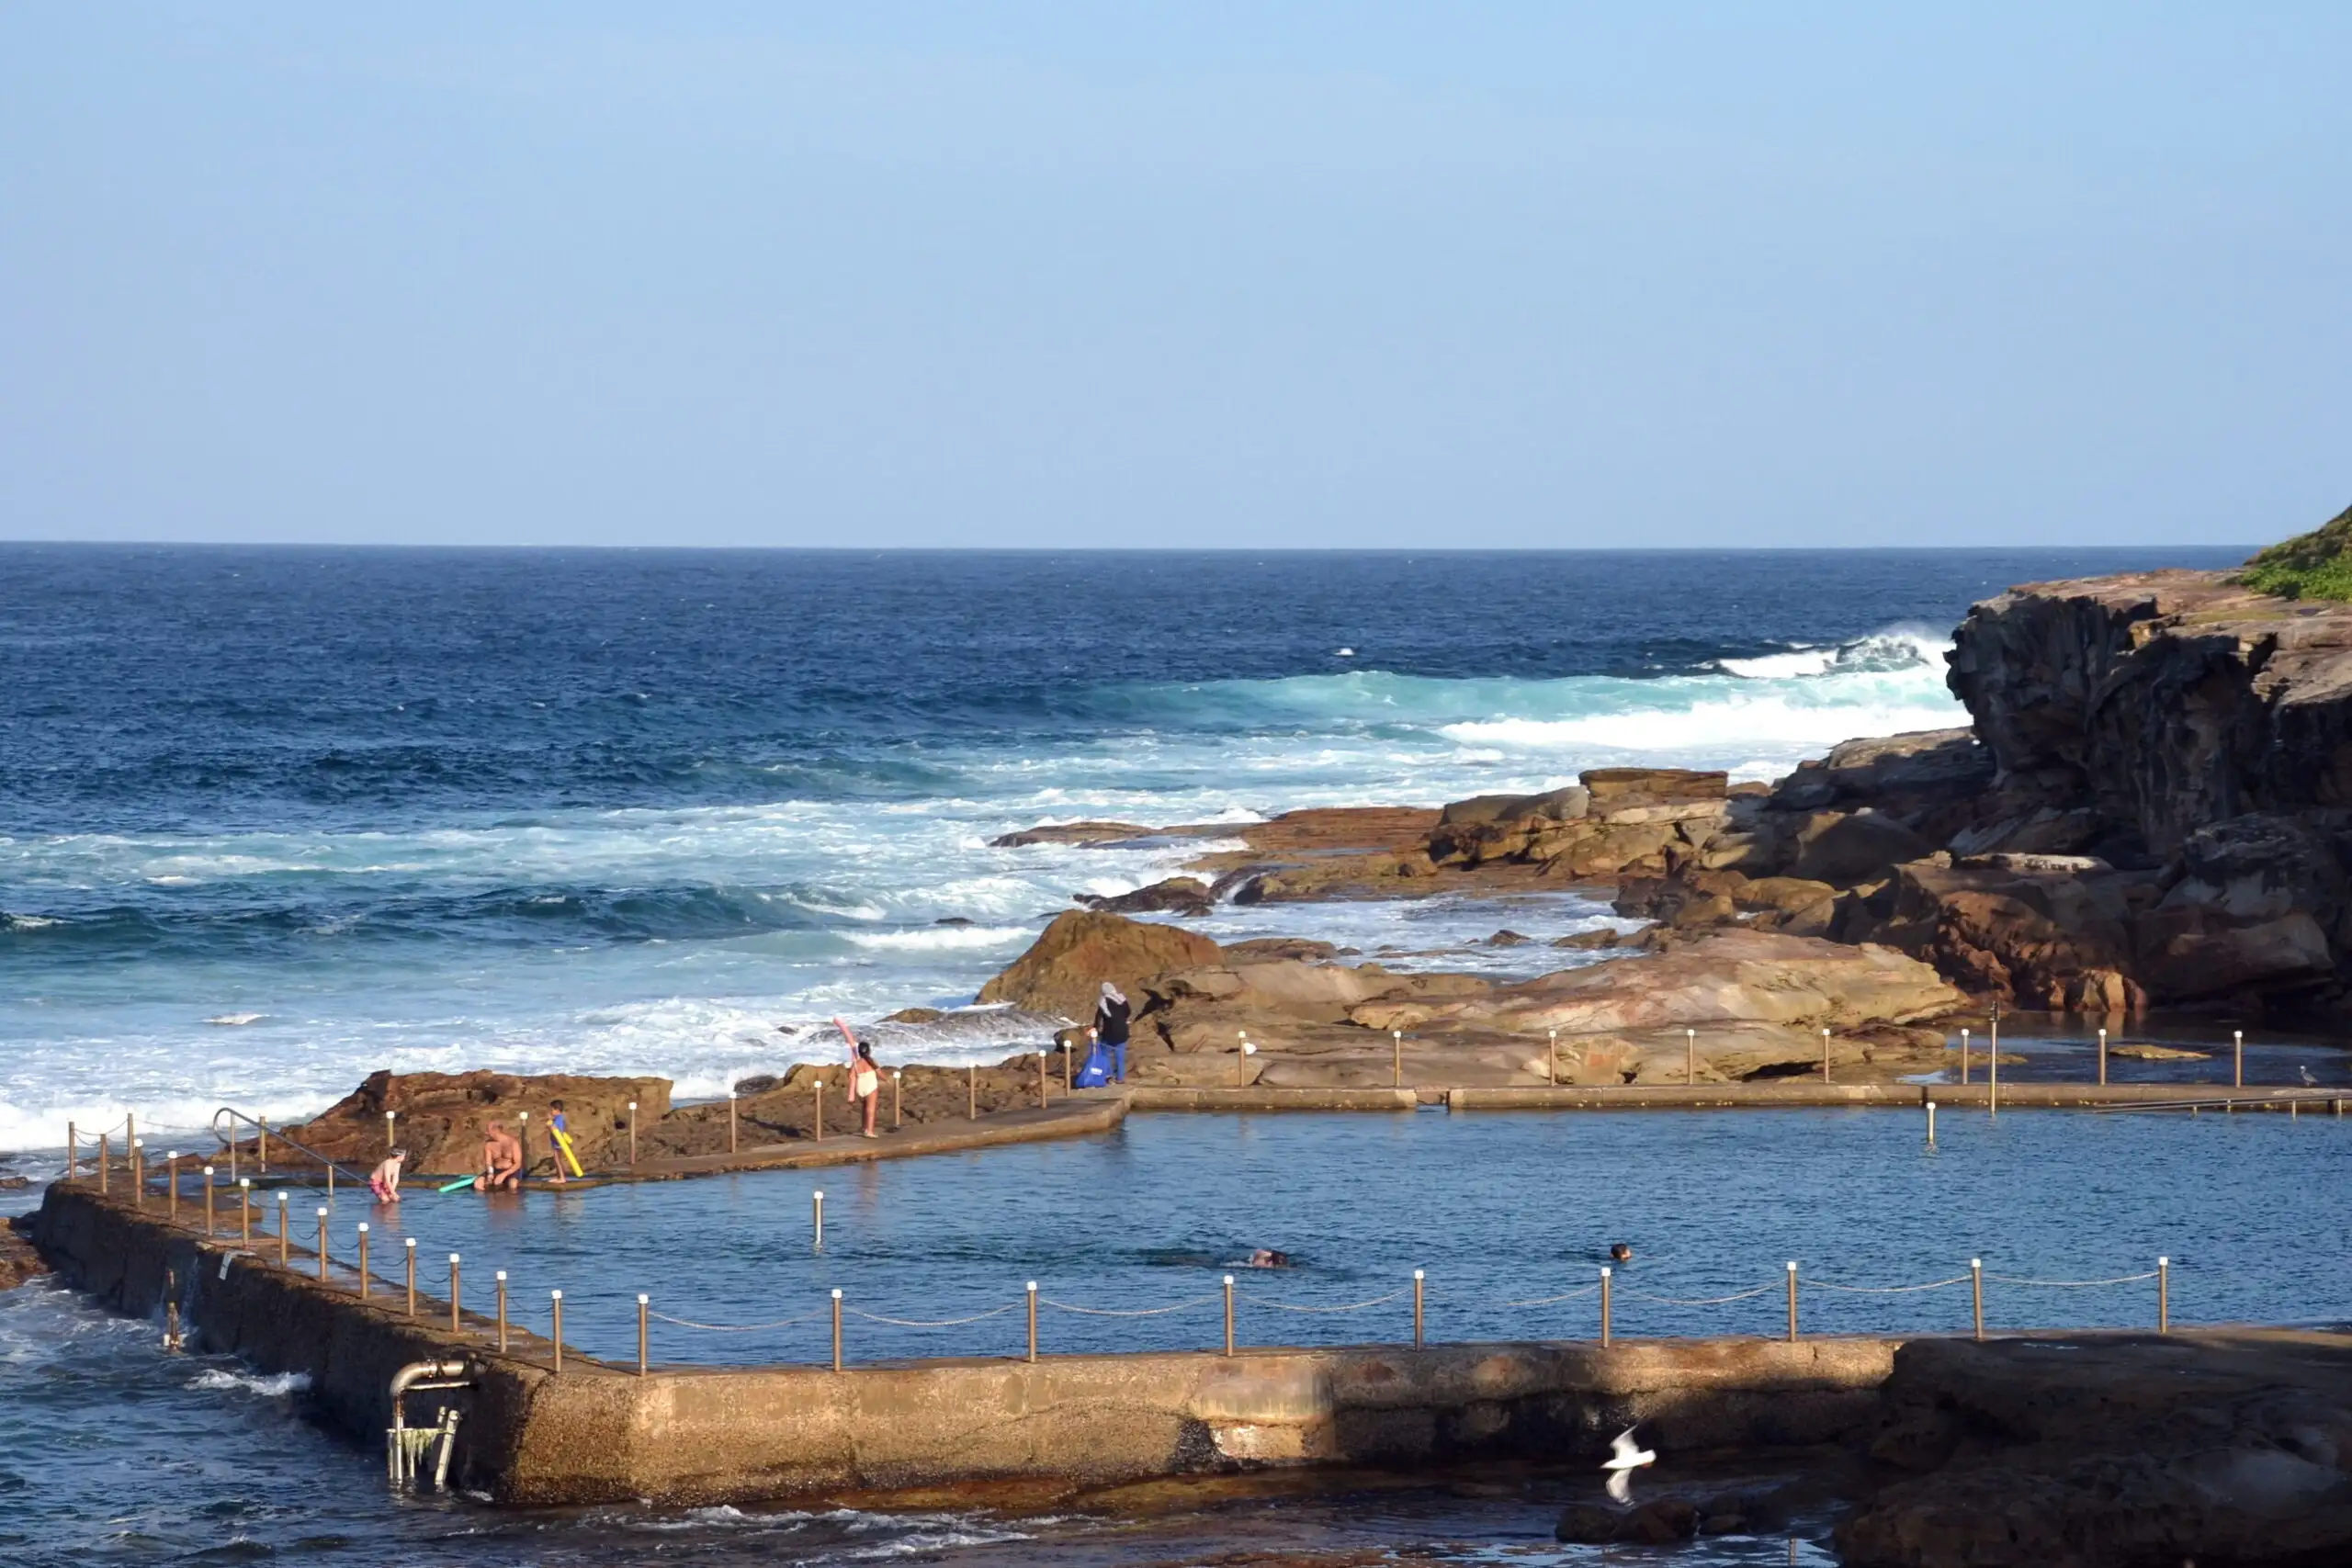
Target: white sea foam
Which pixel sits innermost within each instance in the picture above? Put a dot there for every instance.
(846, 892)
(277, 1385)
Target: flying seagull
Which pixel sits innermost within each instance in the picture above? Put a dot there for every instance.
(1623, 1458)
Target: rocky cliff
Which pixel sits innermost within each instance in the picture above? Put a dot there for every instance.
(2153, 804)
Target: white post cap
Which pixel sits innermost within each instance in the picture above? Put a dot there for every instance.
(837, 1292)
(1793, 1265)
(642, 1300)
(363, 1224)
(502, 1276)
(453, 1258)
(1604, 1270)
(555, 1295)
(1228, 1278)
(1033, 1287)
(1417, 1273)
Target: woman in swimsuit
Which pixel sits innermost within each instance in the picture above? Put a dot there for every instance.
(865, 1077)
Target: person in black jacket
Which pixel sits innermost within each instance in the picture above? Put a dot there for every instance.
(1111, 1029)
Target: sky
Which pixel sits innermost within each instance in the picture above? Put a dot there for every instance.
(1189, 274)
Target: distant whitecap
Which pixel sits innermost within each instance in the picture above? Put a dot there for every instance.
(1345, 653)
(233, 1020)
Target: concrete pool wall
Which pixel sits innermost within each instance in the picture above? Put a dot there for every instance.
(595, 1432)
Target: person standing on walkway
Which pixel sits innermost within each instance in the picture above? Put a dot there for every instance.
(865, 1077)
(1111, 1029)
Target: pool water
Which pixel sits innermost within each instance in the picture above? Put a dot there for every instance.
(1503, 1211)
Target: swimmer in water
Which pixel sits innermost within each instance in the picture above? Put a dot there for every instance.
(1619, 1252)
(1267, 1258)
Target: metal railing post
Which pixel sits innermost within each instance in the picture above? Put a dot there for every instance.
(643, 1335)
(323, 1248)
(1793, 1301)
(285, 1236)
(555, 1313)
(817, 1229)
(1033, 1320)
(502, 1311)
(632, 1134)
(366, 1280)
(411, 1246)
(1976, 1292)
(1228, 1315)
(1421, 1279)
(457, 1321)
(837, 1328)
(1604, 1306)
(2164, 1295)
(208, 1202)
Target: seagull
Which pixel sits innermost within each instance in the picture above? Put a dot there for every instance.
(2309, 1081)
(1623, 1458)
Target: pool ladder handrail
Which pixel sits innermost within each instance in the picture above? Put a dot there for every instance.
(226, 1140)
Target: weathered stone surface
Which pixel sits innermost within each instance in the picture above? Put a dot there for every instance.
(1087, 833)
(2080, 1453)
(1727, 976)
(441, 1117)
(1174, 895)
(1064, 969)
(18, 1260)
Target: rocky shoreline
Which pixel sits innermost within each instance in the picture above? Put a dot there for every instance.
(2151, 809)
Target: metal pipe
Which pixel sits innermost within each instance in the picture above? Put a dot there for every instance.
(643, 1334)
(2164, 1295)
(1963, 1056)
(244, 1210)
(502, 1311)
(1689, 1058)
(171, 1186)
(207, 1196)
(457, 1321)
(1241, 1062)
(894, 1099)
(1041, 1080)
(322, 1250)
(837, 1328)
(971, 1092)
(285, 1239)
(820, 1110)
(555, 1311)
(233, 1155)
(1551, 1057)
(1228, 1315)
(411, 1245)
(1397, 1057)
(366, 1281)
(1976, 1292)
(1420, 1279)
(1931, 1123)
(1824, 1055)
(1604, 1306)
(2102, 1056)
(1792, 1302)
(72, 1151)
(138, 1174)
(632, 1134)
(104, 1158)
(2237, 1070)
(730, 1122)
(1033, 1320)
(262, 1153)
(1067, 1088)
(817, 1201)
(391, 1142)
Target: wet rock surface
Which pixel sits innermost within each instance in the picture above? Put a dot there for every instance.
(441, 1117)
(2077, 1453)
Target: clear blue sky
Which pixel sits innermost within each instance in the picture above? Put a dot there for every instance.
(1183, 275)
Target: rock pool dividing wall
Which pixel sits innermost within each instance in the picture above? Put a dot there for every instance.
(600, 1433)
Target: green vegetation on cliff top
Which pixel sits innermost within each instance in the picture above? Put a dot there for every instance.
(2317, 565)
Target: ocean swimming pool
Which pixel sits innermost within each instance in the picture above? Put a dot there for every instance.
(1504, 1212)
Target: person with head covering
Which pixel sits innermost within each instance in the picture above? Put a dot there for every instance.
(1111, 1029)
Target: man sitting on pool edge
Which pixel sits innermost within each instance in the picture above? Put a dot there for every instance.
(502, 1160)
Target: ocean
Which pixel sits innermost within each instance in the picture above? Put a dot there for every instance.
(272, 818)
